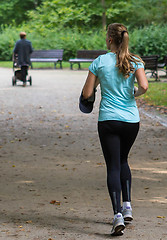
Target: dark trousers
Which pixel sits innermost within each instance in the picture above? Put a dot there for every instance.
(116, 139)
(24, 73)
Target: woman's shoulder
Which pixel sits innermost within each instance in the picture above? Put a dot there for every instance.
(137, 61)
(105, 57)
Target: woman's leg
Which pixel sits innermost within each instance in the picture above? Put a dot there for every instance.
(128, 135)
(110, 142)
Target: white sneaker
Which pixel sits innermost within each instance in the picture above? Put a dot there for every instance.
(118, 225)
(127, 214)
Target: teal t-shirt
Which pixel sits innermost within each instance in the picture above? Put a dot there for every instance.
(117, 92)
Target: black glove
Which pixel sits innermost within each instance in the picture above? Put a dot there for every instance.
(86, 105)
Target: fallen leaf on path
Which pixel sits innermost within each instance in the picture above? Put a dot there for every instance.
(55, 202)
(72, 209)
(161, 217)
(100, 164)
(29, 221)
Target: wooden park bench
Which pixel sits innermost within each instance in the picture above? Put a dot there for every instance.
(54, 55)
(162, 64)
(151, 64)
(85, 56)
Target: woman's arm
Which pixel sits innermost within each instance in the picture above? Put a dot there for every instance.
(91, 83)
(142, 82)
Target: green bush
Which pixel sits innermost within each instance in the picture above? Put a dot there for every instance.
(147, 41)
(70, 40)
(150, 40)
(8, 37)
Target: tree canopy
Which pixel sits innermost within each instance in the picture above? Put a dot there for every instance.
(83, 13)
(16, 10)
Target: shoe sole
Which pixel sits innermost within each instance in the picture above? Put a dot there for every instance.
(118, 231)
(128, 218)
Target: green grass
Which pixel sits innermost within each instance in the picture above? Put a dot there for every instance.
(156, 94)
(6, 64)
(66, 65)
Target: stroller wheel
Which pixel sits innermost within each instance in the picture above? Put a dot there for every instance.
(13, 80)
(30, 80)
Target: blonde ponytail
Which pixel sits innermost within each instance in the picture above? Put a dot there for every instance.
(120, 36)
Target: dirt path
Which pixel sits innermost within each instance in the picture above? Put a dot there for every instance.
(50, 153)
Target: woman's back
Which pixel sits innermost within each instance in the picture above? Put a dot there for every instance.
(118, 102)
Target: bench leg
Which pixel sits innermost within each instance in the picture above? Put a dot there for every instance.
(157, 76)
(79, 66)
(61, 65)
(71, 66)
(54, 65)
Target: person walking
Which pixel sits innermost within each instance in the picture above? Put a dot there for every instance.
(118, 121)
(23, 48)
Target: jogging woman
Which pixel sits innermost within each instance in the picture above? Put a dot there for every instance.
(118, 122)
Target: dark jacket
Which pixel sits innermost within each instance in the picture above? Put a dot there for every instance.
(23, 48)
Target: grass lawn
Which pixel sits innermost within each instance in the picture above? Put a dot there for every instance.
(6, 64)
(156, 94)
(9, 64)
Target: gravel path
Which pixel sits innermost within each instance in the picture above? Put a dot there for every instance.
(53, 176)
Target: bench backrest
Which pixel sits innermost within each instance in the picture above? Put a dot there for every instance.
(54, 53)
(151, 62)
(90, 54)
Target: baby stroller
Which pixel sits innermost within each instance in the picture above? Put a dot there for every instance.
(17, 72)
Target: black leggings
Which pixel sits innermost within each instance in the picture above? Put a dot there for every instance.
(116, 139)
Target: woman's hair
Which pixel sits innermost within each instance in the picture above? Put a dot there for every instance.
(120, 37)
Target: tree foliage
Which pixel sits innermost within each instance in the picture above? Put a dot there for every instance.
(83, 13)
(67, 13)
(77, 24)
(88, 14)
(144, 13)
(16, 10)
